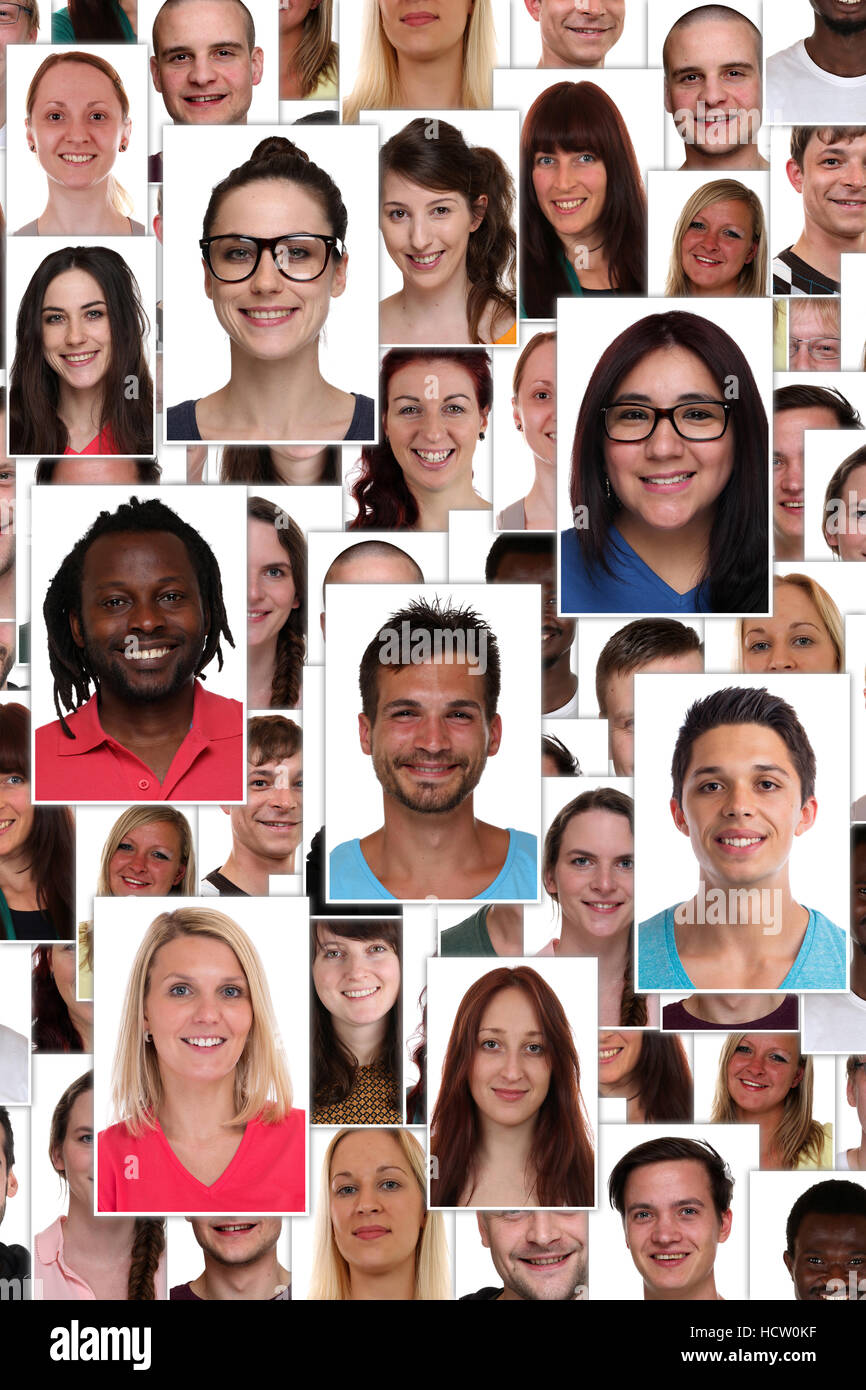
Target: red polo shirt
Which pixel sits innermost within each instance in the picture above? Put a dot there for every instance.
(93, 766)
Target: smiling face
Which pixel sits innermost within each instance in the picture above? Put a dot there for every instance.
(557, 634)
(433, 438)
(268, 316)
(577, 35)
(422, 30)
(237, 1242)
(142, 624)
(788, 466)
(666, 482)
(204, 68)
(764, 1068)
(147, 862)
(76, 332)
(618, 1056)
(357, 981)
(539, 1255)
(430, 740)
(619, 704)
(713, 84)
(848, 533)
(74, 1157)
(672, 1229)
(535, 403)
(270, 824)
(829, 1257)
(832, 181)
(197, 1009)
(510, 1074)
(77, 125)
(293, 14)
(794, 639)
(16, 813)
(571, 189)
(426, 232)
(742, 804)
(593, 878)
(377, 1208)
(271, 596)
(718, 243)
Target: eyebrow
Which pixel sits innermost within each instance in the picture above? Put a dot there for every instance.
(654, 1206)
(702, 67)
(756, 767)
(798, 622)
(442, 198)
(455, 396)
(382, 1168)
(684, 398)
(417, 704)
(530, 1032)
(60, 309)
(191, 979)
(185, 47)
(122, 583)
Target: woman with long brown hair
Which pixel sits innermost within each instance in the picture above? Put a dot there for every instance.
(276, 606)
(36, 846)
(650, 1071)
(510, 1128)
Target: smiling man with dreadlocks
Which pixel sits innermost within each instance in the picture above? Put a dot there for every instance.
(134, 615)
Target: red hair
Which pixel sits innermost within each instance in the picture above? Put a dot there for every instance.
(561, 1154)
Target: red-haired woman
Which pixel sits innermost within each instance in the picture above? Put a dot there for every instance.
(509, 1128)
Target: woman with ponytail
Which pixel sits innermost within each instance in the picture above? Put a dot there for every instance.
(446, 217)
(77, 123)
(82, 1256)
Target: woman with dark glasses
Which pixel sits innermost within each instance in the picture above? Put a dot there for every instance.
(271, 294)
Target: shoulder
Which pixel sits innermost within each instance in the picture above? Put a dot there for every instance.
(181, 422)
(659, 965)
(119, 1138)
(61, 27)
(362, 425)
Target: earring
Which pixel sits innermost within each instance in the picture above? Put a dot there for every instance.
(519, 426)
(481, 435)
(607, 488)
(31, 148)
(147, 1037)
(124, 148)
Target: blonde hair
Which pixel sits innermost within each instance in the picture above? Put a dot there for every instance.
(262, 1088)
(827, 311)
(827, 612)
(317, 56)
(332, 1278)
(134, 819)
(753, 277)
(377, 85)
(117, 194)
(797, 1135)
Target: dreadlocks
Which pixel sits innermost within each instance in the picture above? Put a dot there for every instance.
(72, 676)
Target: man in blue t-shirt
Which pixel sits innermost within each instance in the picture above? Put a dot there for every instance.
(429, 689)
(743, 790)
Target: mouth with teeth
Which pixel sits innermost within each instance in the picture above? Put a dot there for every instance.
(667, 482)
(792, 506)
(258, 615)
(268, 318)
(203, 1043)
(203, 101)
(602, 907)
(568, 205)
(705, 260)
(361, 993)
(427, 261)
(431, 771)
(77, 158)
(4, 825)
(752, 1085)
(236, 1228)
(738, 844)
(857, 204)
(607, 1054)
(279, 824)
(134, 883)
(545, 1261)
(673, 1257)
(79, 359)
(146, 654)
(434, 458)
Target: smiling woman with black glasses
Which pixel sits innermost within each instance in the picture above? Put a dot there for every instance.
(668, 477)
(274, 256)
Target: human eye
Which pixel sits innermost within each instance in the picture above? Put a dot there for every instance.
(778, 461)
(697, 413)
(688, 79)
(177, 58)
(761, 646)
(179, 991)
(735, 72)
(233, 991)
(587, 157)
(346, 1189)
(377, 948)
(454, 408)
(396, 214)
(160, 854)
(827, 348)
(709, 786)
(275, 571)
(98, 116)
(831, 161)
(462, 716)
(543, 161)
(779, 1057)
(52, 318)
(409, 410)
(626, 862)
(391, 1185)
(239, 255)
(689, 1211)
(7, 474)
(804, 641)
(632, 412)
(535, 1049)
(86, 1138)
(641, 1215)
(697, 225)
(733, 234)
(767, 784)
(332, 953)
(114, 602)
(442, 211)
(541, 395)
(580, 861)
(174, 596)
(15, 780)
(95, 314)
(488, 1044)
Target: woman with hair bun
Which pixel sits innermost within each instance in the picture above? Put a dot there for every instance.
(81, 1256)
(272, 293)
(446, 217)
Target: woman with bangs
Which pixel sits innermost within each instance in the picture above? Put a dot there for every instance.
(36, 845)
(443, 63)
(356, 1024)
(309, 58)
(510, 1128)
(583, 204)
(376, 1181)
(765, 1079)
(201, 1084)
(650, 1071)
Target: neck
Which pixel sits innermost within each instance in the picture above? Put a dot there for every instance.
(822, 249)
(260, 1281)
(272, 400)
(844, 55)
(787, 547)
(72, 210)
(444, 305)
(81, 411)
(433, 85)
(434, 508)
(109, 1239)
(505, 1146)
(391, 1285)
(364, 1040)
(612, 952)
(679, 558)
(558, 683)
(261, 662)
(252, 872)
(539, 505)
(195, 1112)
(738, 157)
(731, 1009)
(142, 722)
(419, 846)
(504, 924)
(703, 1292)
(299, 472)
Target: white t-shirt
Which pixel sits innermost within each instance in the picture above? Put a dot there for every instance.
(798, 92)
(841, 1165)
(568, 711)
(833, 1023)
(14, 1054)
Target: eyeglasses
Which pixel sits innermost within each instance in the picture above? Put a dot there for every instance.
(297, 255)
(10, 14)
(629, 422)
(819, 349)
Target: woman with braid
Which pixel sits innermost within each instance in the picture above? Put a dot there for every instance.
(133, 616)
(82, 1256)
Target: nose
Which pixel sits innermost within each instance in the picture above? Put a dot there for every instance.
(137, 861)
(543, 1228)
(780, 660)
(368, 1198)
(144, 616)
(207, 1008)
(432, 733)
(75, 331)
(798, 355)
(710, 240)
(666, 1230)
(511, 1064)
(792, 478)
(420, 233)
(201, 71)
(254, 585)
(267, 279)
(602, 877)
(738, 801)
(664, 442)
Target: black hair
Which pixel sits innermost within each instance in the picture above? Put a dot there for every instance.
(566, 763)
(8, 1141)
(836, 1197)
(515, 543)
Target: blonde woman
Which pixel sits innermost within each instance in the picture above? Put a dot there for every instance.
(149, 853)
(200, 1085)
(374, 1238)
(720, 243)
(805, 633)
(309, 58)
(77, 123)
(424, 61)
(765, 1079)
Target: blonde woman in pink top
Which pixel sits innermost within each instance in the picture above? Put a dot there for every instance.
(82, 1256)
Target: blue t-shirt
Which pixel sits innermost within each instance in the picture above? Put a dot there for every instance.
(820, 962)
(632, 587)
(352, 877)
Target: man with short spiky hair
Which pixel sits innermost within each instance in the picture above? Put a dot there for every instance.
(429, 690)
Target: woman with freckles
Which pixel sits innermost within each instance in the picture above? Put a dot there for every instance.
(720, 244)
(200, 1084)
(765, 1079)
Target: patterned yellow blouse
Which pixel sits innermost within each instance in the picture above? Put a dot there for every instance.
(370, 1102)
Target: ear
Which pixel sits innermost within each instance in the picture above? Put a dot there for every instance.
(534, 8)
(208, 280)
(669, 106)
(798, 1077)
(157, 227)
(807, 816)
(515, 414)
(725, 1226)
(484, 415)
(752, 254)
(549, 883)
(178, 878)
(228, 809)
(365, 730)
(495, 736)
(11, 1183)
(789, 1263)
(338, 284)
(795, 175)
(482, 1228)
(57, 1160)
(75, 629)
(257, 59)
(127, 131)
(479, 212)
(679, 818)
(154, 73)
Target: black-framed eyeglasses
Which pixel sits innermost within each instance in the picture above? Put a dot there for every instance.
(630, 422)
(10, 14)
(297, 255)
